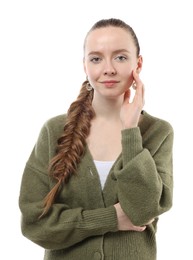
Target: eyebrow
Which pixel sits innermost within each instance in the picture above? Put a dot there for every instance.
(114, 52)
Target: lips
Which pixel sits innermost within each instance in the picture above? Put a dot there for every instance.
(109, 83)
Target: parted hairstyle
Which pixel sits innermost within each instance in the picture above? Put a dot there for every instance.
(71, 145)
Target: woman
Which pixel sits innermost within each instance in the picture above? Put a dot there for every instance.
(99, 177)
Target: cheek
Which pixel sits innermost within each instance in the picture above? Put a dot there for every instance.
(127, 75)
(93, 73)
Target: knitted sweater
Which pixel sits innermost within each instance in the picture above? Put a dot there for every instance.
(82, 223)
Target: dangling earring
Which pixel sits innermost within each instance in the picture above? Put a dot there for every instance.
(88, 85)
(134, 85)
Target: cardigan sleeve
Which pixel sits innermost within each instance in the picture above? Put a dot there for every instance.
(63, 226)
(144, 173)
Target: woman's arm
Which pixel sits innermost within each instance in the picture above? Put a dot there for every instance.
(63, 226)
(144, 175)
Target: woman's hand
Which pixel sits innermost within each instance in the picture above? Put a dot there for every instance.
(124, 223)
(130, 111)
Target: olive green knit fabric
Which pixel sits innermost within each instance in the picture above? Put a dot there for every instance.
(82, 224)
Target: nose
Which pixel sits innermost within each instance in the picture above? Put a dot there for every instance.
(109, 69)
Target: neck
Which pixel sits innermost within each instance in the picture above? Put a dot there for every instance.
(107, 108)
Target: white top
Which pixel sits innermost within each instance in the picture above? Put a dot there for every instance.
(103, 168)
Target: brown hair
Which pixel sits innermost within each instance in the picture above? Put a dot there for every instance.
(71, 145)
(113, 22)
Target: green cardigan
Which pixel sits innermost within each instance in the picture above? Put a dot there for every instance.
(82, 223)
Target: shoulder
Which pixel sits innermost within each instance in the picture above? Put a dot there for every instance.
(53, 127)
(151, 122)
(55, 123)
(56, 120)
(156, 132)
(51, 130)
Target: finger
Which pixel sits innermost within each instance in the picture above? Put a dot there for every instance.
(139, 88)
(139, 229)
(127, 96)
(136, 77)
(139, 85)
(143, 94)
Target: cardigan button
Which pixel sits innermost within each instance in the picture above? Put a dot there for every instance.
(97, 256)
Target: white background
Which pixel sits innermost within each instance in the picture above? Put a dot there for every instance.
(41, 73)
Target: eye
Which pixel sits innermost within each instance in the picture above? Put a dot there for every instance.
(95, 59)
(121, 58)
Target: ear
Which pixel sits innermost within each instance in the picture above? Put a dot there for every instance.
(139, 64)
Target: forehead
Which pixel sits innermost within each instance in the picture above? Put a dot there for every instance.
(109, 38)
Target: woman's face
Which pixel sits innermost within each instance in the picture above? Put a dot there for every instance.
(109, 60)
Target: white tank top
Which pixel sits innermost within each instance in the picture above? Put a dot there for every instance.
(103, 168)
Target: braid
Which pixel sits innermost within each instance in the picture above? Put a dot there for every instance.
(71, 145)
